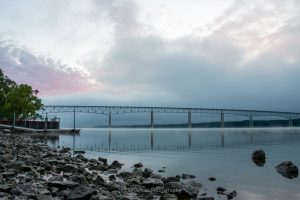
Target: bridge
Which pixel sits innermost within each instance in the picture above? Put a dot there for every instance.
(114, 110)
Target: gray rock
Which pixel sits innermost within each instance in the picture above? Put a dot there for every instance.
(115, 165)
(26, 189)
(112, 178)
(63, 184)
(172, 179)
(151, 182)
(70, 168)
(138, 165)
(56, 178)
(287, 169)
(104, 160)
(81, 179)
(81, 193)
(6, 188)
(187, 176)
(99, 180)
(259, 157)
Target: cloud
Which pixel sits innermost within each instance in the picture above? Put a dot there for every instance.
(251, 60)
(45, 74)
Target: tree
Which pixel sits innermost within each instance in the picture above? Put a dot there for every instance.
(19, 99)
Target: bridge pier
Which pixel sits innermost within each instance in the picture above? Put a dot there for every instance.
(189, 119)
(152, 120)
(222, 119)
(109, 120)
(250, 122)
(290, 122)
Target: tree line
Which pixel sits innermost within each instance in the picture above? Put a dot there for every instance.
(18, 99)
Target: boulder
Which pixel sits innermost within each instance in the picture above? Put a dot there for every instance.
(259, 157)
(187, 176)
(81, 193)
(63, 184)
(115, 165)
(138, 165)
(151, 182)
(287, 169)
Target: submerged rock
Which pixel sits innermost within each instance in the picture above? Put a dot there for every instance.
(287, 169)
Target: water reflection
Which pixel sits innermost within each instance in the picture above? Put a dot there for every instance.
(134, 140)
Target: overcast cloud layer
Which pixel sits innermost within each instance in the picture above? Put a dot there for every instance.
(211, 53)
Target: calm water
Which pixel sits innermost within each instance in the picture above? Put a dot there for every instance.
(221, 153)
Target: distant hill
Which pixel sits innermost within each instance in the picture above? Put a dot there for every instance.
(233, 124)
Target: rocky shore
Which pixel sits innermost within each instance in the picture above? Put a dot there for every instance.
(29, 169)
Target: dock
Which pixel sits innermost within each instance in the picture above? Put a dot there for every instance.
(31, 130)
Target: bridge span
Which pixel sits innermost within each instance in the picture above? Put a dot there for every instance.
(114, 110)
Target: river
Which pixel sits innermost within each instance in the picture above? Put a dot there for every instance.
(221, 153)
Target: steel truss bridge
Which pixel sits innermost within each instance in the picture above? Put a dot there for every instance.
(114, 110)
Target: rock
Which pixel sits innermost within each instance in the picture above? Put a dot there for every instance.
(187, 176)
(168, 196)
(138, 165)
(147, 172)
(63, 184)
(145, 195)
(81, 193)
(112, 178)
(116, 185)
(65, 150)
(172, 179)
(150, 183)
(124, 175)
(99, 180)
(1, 179)
(115, 165)
(26, 189)
(43, 197)
(81, 157)
(70, 168)
(104, 160)
(56, 178)
(161, 170)
(8, 174)
(79, 152)
(212, 179)
(259, 157)
(220, 190)
(287, 169)
(6, 188)
(79, 179)
(206, 198)
(231, 195)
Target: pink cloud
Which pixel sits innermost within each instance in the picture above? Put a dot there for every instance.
(48, 76)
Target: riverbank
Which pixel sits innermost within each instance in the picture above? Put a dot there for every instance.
(32, 170)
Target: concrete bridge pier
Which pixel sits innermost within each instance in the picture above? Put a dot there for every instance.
(190, 139)
(189, 119)
(152, 140)
(109, 120)
(290, 122)
(222, 119)
(152, 120)
(250, 122)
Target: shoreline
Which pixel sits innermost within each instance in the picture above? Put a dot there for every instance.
(31, 169)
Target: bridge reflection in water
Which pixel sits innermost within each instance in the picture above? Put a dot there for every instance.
(114, 140)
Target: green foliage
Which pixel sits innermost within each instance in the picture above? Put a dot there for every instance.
(19, 99)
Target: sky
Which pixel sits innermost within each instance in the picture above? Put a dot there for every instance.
(237, 54)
